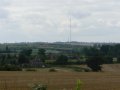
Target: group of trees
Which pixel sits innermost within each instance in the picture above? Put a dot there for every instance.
(93, 56)
(22, 58)
(98, 55)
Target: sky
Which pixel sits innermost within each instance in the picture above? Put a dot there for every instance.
(49, 20)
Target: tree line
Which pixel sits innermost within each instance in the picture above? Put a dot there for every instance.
(93, 56)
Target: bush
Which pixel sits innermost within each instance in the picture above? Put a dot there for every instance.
(52, 70)
(10, 68)
(87, 70)
(62, 60)
(39, 87)
(78, 70)
(30, 69)
(95, 63)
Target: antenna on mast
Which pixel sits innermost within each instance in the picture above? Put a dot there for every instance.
(70, 30)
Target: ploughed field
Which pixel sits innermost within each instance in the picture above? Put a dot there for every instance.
(59, 80)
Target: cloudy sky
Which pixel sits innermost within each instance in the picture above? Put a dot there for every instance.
(49, 20)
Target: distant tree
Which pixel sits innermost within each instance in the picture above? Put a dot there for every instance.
(26, 52)
(92, 51)
(105, 49)
(2, 61)
(24, 56)
(7, 50)
(62, 60)
(118, 59)
(108, 60)
(95, 63)
(41, 54)
(23, 59)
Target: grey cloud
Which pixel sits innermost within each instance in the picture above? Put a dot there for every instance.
(48, 20)
(3, 13)
(4, 2)
(79, 14)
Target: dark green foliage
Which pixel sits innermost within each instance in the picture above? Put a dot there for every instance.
(7, 59)
(7, 50)
(93, 51)
(95, 63)
(26, 52)
(23, 59)
(30, 69)
(24, 56)
(87, 70)
(39, 87)
(23, 53)
(52, 70)
(41, 54)
(41, 51)
(107, 60)
(10, 68)
(62, 60)
(118, 59)
(78, 69)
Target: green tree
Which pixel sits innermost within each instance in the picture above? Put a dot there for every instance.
(24, 56)
(41, 54)
(23, 59)
(108, 59)
(26, 52)
(95, 63)
(7, 50)
(62, 60)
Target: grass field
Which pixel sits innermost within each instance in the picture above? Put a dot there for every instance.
(59, 80)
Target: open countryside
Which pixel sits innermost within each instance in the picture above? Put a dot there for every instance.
(59, 44)
(60, 80)
(59, 66)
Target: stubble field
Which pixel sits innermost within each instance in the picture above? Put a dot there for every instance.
(60, 80)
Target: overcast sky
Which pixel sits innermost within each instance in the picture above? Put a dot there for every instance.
(49, 20)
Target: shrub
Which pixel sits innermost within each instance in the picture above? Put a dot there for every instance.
(30, 69)
(62, 60)
(10, 68)
(78, 70)
(87, 70)
(52, 70)
(95, 63)
(39, 87)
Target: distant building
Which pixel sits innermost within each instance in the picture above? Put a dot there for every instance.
(115, 60)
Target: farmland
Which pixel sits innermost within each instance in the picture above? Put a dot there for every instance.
(69, 61)
(23, 80)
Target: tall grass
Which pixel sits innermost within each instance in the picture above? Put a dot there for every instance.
(78, 86)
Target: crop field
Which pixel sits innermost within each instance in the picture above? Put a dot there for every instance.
(59, 80)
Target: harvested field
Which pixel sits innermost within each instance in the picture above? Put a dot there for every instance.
(111, 67)
(60, 80)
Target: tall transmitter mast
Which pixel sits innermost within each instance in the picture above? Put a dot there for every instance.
(70, 30)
